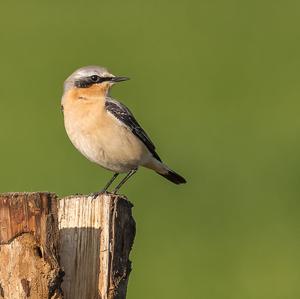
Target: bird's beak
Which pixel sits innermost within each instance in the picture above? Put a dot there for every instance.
(118, 79)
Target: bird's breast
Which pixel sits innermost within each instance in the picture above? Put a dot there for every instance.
(101, 138)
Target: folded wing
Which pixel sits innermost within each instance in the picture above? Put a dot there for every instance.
(123, 114)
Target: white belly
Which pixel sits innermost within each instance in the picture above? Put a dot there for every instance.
(112, 145)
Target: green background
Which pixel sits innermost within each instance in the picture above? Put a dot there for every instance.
(216, 86)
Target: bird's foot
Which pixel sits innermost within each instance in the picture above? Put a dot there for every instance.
(116, 193)
(96, 194)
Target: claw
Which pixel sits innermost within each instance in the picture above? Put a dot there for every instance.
(96, 194)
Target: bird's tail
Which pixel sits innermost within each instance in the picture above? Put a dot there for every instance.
(166, 172)
(173, 177)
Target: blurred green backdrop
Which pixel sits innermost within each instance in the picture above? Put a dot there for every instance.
(216, 85)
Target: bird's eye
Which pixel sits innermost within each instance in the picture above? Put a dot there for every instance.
(95, 78)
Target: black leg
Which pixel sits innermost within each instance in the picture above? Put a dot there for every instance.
(109, 183)
(126, 178)
(106, 186)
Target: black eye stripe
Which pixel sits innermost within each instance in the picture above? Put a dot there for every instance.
(98, 79)
(89, 81)
(102, 79)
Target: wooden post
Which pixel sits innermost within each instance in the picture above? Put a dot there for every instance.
(29, 246)
(95, 237)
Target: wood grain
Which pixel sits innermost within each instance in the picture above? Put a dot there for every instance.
(96, 236)
(29, 246)
(88, 238)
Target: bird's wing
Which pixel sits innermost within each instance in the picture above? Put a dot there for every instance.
(124, 115)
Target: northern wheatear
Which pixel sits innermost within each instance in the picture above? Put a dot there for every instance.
(104, 130)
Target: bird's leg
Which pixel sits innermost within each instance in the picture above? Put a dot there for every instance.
(106, 186)
(110, 182)
(125, 179)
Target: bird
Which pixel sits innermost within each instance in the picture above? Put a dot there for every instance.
(104, 130)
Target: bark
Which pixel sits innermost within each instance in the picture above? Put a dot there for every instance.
(73, 248)
(96, 236)
(29, 246)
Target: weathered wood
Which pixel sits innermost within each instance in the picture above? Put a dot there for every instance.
(96, 236)
(29, 246)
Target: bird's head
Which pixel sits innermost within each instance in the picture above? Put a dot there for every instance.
(92, 76)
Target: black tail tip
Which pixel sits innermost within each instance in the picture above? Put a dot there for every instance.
(173, 177)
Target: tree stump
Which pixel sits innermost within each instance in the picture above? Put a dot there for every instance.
(29, 246)
(96, 236)
(80, 240)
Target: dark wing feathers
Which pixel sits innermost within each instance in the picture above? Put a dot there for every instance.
(123, 114)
